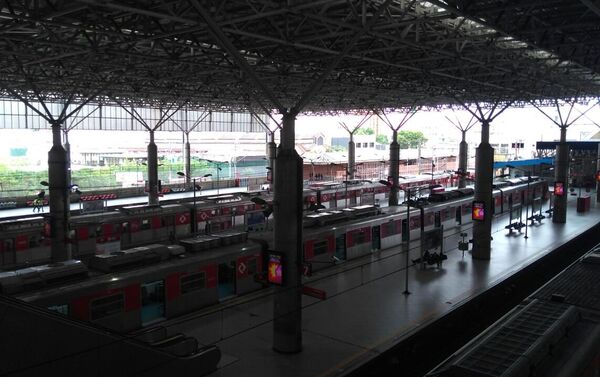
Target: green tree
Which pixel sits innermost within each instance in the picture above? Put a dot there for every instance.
(411, 139)
(382, 139)
(364, 131)
(335, 148)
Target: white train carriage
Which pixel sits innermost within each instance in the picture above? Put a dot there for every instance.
(354, 232)
(341, 195)
(219, 213)
(432, 217)
(336, 233)
(96, 233)
(359, 239)
(142, 285)
(390, 231)
(319, 248)
(150, 224)
(24, 241)
(457, 204)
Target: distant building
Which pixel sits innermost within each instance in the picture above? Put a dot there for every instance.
(363, 142)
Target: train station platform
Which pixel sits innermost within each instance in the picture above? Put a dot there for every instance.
(119, 202)
(365, 312)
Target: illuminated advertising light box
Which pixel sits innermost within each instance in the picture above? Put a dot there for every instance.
(478, 211)
(275, 268)
(559, 188)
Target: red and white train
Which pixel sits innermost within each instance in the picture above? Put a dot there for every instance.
(326, 238)
(127, 289)
(130, 289)
(25, 242)
(355, 192)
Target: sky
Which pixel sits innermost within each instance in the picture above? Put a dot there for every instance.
(526, 124)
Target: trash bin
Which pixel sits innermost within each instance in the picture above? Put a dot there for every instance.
(583, 203)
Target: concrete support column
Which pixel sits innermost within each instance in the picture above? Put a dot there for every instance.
(463, 157)
(187, 160)
(351, 157)
(394, 166)
(152, 171)
(484, 169)
(59, 198)
(287, 206)
(271, 156)
(561, 174)
(419, 158)
(67, 147)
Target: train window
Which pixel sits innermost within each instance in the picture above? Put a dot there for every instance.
(251, 265)
(320, 247)
(9, 245)
(62, 309)
(358, 237)
(388, 229)
(35, 241)
(145, 224)
(193, 282)
(105, 306)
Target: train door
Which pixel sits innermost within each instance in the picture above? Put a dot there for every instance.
(226, 279)
(404, 230)
(340, 247)
(375, 238)
(352, 198)
(153, 301)
(125, 235)
(8, 252)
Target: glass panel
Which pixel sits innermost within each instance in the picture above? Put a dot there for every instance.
(226, 279)
(320, 247)
(106, 306)
(193, 282)
(153, 301)
(62, 309)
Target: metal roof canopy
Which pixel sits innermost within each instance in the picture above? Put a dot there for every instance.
(315, 56)
(520, 163)
(589, 145)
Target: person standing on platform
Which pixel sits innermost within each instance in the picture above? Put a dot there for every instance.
(38, 202)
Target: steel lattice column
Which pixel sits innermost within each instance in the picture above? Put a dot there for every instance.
(187, 160)
(561, 174)
(597, 176)
(67, 147)
(394, 167)
(351, 157)
(59, 197)
(484, 169)
(287, 310)
(152, 171)
(463, 156)
(271, 156)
